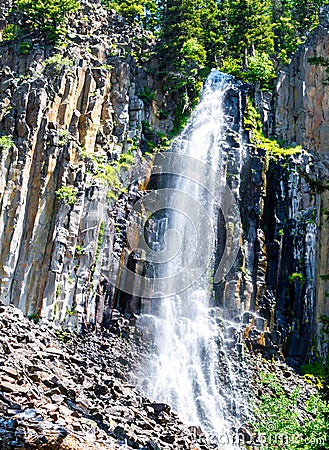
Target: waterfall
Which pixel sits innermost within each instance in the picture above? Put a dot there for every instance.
(191, 369)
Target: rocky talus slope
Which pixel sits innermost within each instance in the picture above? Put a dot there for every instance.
(63, 391)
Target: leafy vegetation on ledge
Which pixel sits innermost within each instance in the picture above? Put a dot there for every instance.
(67, 194)
(109, 173)
(6, 143)
(253, 124)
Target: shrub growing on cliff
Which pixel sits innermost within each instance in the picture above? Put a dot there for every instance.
(10, 32)
(147, 95)
(260, 68)
(48, 15)
(6, 143)
(319, 370)
(67, 194)
(297, 277)
(57, 62)
(274, 149)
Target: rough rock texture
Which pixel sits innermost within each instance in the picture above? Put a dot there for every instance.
(74, 124)
(77, 126)
(302, 117)
(302, 111)
(290, 225)
(245, 171)
(61, 391)
(70, 114)
(64, 391)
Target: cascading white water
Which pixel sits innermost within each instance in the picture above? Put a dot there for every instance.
(191, 370)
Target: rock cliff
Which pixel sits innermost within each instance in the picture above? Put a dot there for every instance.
(301, 117)
(76, 124)
(73, 119)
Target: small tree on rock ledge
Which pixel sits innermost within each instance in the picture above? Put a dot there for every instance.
(48, 15)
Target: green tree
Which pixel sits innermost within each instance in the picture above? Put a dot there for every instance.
(142, 12)
(249, 28)
(286, 29)
(232, 34)
(182, 53)
(260, 68)
(305, 13)
(181, 21)
(292, 20)
(48, 15)
(246, 28)
(213, 25)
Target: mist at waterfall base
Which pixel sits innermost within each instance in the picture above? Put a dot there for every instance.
(191, 369)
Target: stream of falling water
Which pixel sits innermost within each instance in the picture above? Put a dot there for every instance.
(190, 369)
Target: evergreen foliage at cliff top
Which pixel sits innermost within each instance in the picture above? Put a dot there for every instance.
(47, 15)
(248, 38)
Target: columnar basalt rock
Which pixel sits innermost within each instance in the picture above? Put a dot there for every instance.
(70, 115)
(302, 117)
(302, 99)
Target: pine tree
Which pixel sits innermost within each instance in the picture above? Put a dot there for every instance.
(213, 23)
(292, 20)
(48, 15)
(305, 14)
(286, 36)
(141, 12)
(249, 29)
(181, 36)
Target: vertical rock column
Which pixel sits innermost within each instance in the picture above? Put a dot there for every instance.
(68, 117)
(302, 117)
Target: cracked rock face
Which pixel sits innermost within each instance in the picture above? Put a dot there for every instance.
(302, 117)
(69, 115)
(302, 111)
